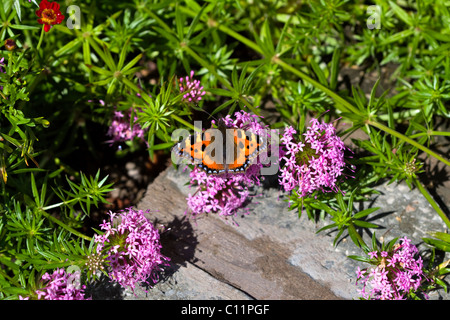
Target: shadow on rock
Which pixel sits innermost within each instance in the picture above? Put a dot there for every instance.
(104, 289)
(178, 243)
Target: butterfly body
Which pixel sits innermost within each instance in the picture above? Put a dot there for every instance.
(222, 150)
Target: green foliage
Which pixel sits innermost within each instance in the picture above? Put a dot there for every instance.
(440, 240)
(344, 219)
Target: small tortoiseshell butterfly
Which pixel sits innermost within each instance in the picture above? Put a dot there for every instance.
(222, 150)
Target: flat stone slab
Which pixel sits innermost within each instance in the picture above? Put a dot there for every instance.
(270, 253)
(188, 282)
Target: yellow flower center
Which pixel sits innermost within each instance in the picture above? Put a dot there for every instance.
(48, 16)
(303, 157)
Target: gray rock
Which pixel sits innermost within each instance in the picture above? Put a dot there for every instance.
(271, 253)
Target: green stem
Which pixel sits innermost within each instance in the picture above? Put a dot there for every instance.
(433, 203)
(187, 124)
(239, 37)
(344, 104)
(431, 133)
(63, 225)
(36, 51)
(40, 38)
(399, 114)
(59, 204)
(11, 280)
(223, 28)
(408, 140)
(157, 19)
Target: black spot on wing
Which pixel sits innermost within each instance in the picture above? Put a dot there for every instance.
(192, 138)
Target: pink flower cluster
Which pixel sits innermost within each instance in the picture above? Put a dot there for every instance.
(246, 121)
(221, 194)
(397, 272)
(132, 246)
(314, 162)
(120, 129)
(193, 91)
(60, 286)
(225, 194)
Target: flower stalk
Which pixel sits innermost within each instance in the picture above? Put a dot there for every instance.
(63, 225)
(432, 202)
(41, 37)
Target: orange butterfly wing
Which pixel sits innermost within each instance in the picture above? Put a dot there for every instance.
(248, 146)
(245, 146)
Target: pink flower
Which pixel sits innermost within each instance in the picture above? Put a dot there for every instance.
(220, 194)
(314, 162)
(192, 89)
(403, 274)
(132, 246)
(61, 286)
(120, 129)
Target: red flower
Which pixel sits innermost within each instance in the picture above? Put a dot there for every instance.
(49, 14)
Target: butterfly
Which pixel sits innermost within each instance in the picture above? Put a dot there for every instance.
(221, 150)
